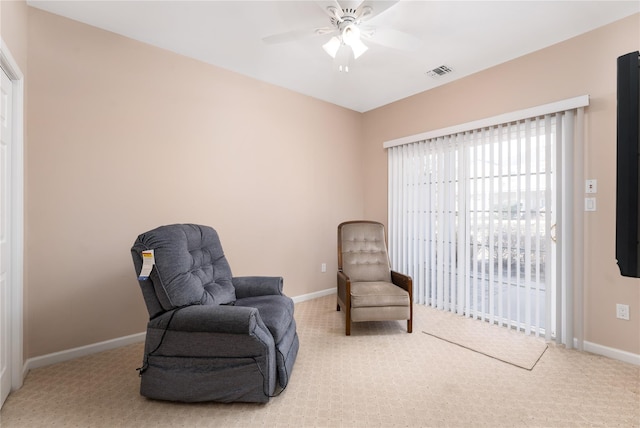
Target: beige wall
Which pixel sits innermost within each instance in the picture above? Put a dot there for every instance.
(13, 29)
(125, 137)
(583, 65)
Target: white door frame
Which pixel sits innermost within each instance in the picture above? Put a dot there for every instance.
(10, 67)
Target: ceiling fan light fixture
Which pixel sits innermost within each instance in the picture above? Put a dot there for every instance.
(350, 34)
(332, 46)
(351, 38)
(358, 48)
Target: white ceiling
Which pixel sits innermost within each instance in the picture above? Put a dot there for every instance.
(467, 36)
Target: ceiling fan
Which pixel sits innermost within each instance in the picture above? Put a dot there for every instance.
(347, 31)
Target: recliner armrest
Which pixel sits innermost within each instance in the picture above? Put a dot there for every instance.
(253, 286)
(344, 287)
(209, 319)
(403, 281)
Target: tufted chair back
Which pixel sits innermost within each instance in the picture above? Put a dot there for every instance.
(362, 251)
(190, 268)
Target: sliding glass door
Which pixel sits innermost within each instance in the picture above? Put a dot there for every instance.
(473, 218)
(509, 218)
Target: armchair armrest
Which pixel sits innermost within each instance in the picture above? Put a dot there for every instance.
(253, 286)
(209, 319)
(403, 281)
(344, 287)
(220, 331)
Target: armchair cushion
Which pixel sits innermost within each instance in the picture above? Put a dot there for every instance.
(367, 294)
(191, 268)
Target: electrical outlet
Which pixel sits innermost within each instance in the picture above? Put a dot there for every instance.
(622, 311)
(323, 267)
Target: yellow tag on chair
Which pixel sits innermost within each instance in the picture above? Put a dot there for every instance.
(148, 260)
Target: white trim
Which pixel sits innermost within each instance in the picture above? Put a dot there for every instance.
(579, 233)
(69, 354)
(568, 232)
(514, 116)
(10, 66)
(311, 296)
(616, 354)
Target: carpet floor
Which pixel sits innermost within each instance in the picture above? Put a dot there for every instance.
(380, 376)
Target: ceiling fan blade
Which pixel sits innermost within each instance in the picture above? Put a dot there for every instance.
(370, 8)
(290, 36)
(391, 38)
(331, 8)
(326, 30)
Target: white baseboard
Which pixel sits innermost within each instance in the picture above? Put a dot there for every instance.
(614, 353)
(69, 354)
(315, 295)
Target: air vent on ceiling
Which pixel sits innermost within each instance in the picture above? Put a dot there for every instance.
(439, 71)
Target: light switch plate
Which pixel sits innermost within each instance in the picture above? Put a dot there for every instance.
(589, 204)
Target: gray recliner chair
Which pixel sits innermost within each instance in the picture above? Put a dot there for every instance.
(210, 336)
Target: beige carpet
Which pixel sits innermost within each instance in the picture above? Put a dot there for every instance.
(503, 344)
(378, 377)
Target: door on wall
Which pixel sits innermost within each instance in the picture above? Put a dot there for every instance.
(6, 97)
(474, 215)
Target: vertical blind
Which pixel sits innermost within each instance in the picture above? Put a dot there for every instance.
(476, 218)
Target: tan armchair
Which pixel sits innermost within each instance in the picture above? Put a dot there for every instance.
(368, 290)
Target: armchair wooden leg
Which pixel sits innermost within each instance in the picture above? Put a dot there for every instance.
(347, 317)
(409, 326)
